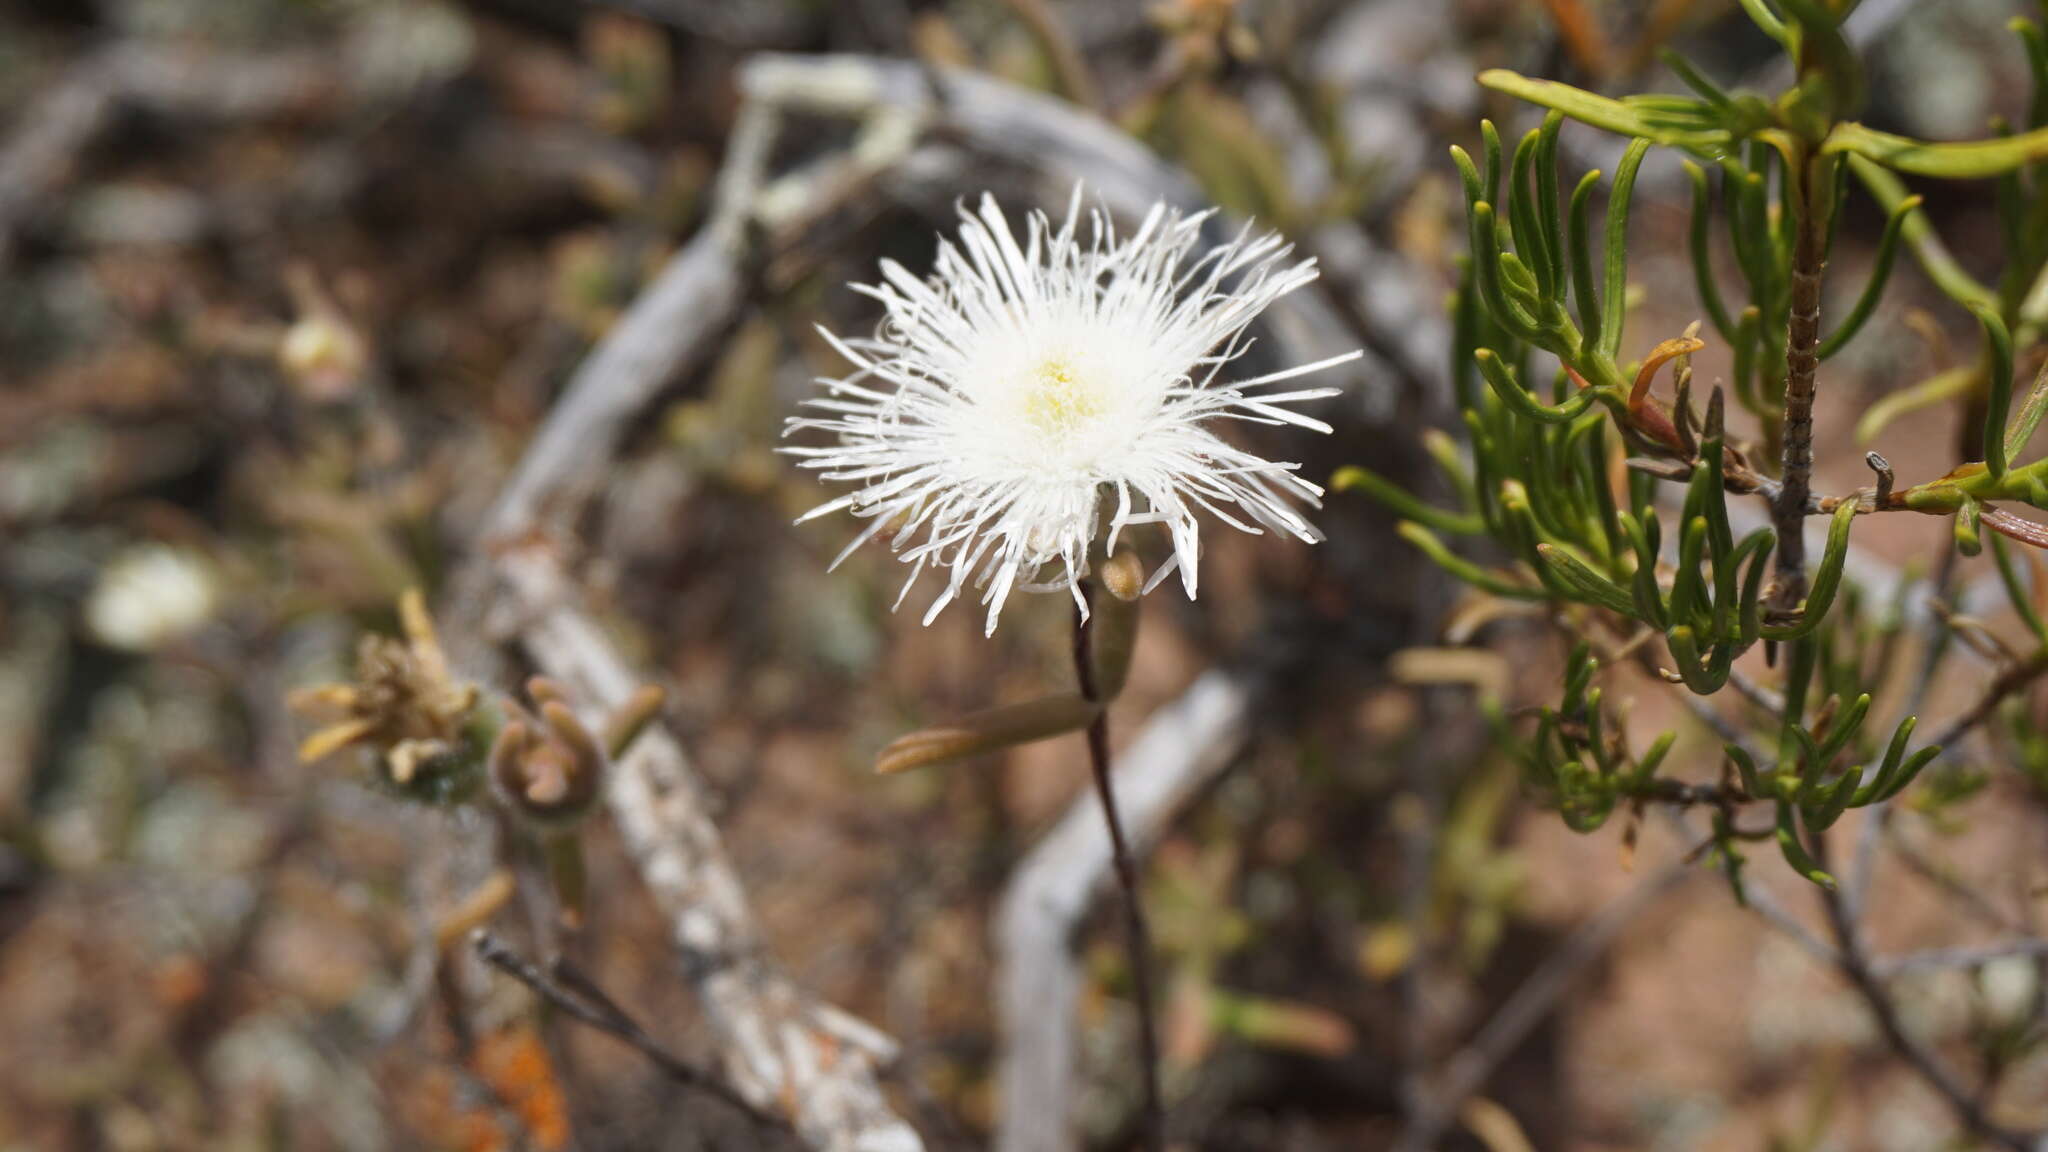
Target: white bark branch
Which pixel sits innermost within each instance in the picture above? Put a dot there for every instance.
(694, 297)
(781, 1050)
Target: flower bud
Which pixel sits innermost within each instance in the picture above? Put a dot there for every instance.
(550, 773)
(1114, 633)
(1124, 575)
(323, 356)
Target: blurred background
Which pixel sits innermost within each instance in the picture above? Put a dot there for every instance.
(289, 287)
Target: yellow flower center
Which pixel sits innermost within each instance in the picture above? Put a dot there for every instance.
(1056, 402)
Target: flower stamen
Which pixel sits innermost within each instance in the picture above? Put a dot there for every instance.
(1057, 402)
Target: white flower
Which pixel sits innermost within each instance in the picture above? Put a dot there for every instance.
(1006, 400)
(150, 595)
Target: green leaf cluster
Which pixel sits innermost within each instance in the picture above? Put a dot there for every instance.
(1567, 443)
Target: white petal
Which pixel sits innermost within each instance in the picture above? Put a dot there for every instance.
(1000, 395)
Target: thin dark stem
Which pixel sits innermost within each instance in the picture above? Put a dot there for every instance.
(1802, 362)
(1683, 795)
(572, 993)
(2011, 679)
(1137, 936)
(1961, 895)
(1934, 958)
(1930, 660)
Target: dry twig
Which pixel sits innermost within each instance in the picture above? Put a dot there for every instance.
(1862, 973)
(781, 1049)
(586, 1003)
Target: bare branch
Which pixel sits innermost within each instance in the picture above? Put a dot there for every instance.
(1856, 966)
(2012, 678)
(782, 1050)
(600, 1013)
(668, 325)
(1888, 967)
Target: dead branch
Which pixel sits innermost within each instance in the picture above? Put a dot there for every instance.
(1928, 959)
(584, 1002)
(1856, 966)
(669, 324)
(782, 1051)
